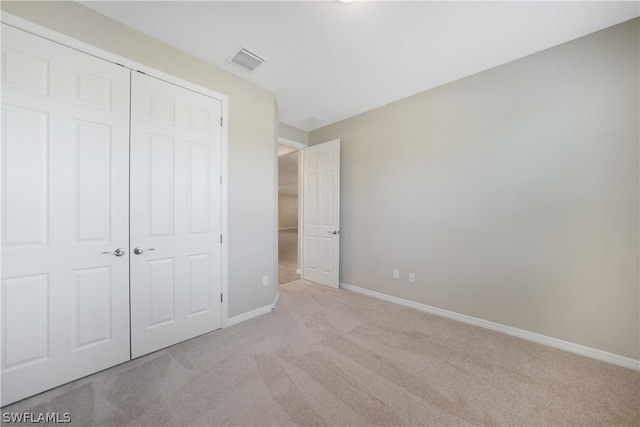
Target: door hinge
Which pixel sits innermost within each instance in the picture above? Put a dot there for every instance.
(221, 239)
(220, 179)
(220, 120)
(221, 298)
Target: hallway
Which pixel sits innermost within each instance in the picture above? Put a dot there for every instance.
(287, 255)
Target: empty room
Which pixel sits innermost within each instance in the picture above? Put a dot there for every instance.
(350, 213)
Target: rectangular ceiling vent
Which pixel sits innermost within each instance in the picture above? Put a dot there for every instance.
(313, 120)
(247, 59)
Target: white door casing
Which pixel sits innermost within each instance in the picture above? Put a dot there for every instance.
(65, 161)
(321, 213)
(176, 140)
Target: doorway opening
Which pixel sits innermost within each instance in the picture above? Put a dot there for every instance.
(288, 213)
(309, 220)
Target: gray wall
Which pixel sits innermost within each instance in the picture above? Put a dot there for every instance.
(293, 133)
(288, 190)
(512, 194)
(287, 211)
(252, 139)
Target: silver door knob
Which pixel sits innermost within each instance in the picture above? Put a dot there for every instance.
(117, 252)
(139, 251)
(334, 232)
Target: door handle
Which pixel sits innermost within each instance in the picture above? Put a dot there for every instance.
(139, 251)
(117, 252)
(334, 232)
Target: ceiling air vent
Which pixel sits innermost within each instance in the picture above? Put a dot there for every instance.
(247, 59)
(313, 120)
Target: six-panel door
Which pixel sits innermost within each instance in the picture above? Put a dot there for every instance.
(176, 138)
(65, 161)
(321, 213)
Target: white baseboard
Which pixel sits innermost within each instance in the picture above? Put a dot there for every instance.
(615, 359)
(248, 315)
(253, 313)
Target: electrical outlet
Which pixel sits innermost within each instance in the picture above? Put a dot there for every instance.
(265, 280)
(412, 277)
(396, 273)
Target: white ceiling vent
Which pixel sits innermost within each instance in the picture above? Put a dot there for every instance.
(313, 120)
(247, 59)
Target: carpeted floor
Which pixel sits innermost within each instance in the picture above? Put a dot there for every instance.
(287, 255)
(332, 357)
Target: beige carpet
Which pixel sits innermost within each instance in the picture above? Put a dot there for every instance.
(331, 357)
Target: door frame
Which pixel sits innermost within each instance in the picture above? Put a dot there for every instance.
(49, 34)
(301, 159)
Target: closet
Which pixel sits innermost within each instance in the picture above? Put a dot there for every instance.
(111, 214)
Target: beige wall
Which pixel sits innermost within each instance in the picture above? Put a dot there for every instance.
(252, 139)
(287, 211)
(293, 133)
(512, 194)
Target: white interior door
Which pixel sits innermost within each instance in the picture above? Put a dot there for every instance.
(321, 213)
(176, 137)
(65, 176)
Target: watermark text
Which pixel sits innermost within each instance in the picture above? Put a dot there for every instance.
(36, 417)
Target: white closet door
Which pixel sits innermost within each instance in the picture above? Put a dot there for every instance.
(65, 161)
(175, 214)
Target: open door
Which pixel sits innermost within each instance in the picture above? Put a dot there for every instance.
(321, 213)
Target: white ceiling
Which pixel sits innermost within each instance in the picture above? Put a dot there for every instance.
(336, 60)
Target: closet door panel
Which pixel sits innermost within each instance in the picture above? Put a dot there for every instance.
(65, 175)
(175, 214)
(26, 193)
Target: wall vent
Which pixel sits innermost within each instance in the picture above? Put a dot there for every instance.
(246, 59)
